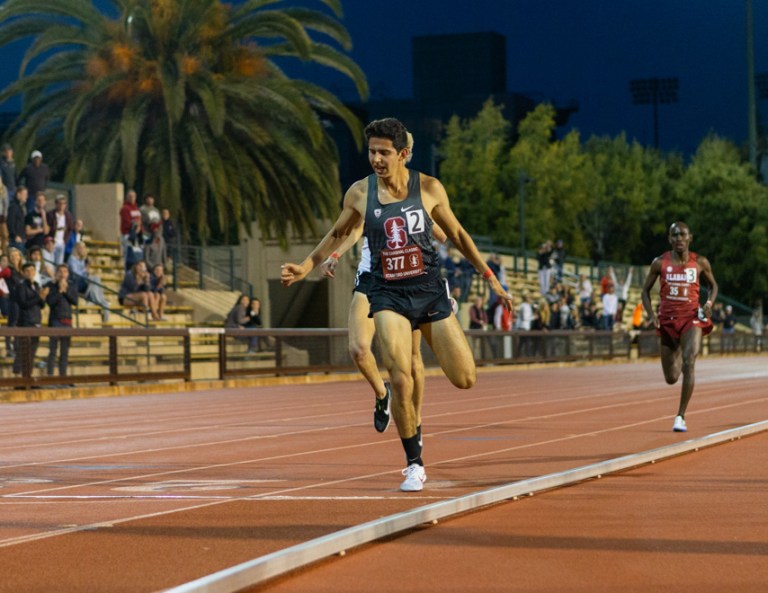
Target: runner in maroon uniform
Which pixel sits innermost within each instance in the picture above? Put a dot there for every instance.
(680, 322)
(396, 207)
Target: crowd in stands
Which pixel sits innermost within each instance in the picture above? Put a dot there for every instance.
(44, 259)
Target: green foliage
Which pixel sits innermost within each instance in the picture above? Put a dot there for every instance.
(185, 100)
(608, 198)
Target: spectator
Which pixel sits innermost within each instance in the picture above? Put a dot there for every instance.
(478, 317)
(558, 259)
(17, 212)
(585, 288)
(718, 315)
(12, 276)
(88, 285)
(36, 223)
(61, 224)
(136, 290)
(729, 328)
(158, 284)
(35, 176)
(61, 300)
(610, 307)
(254, 322)
(503, 319)
(170, 234)
(623, 290)
(8, 170)
(155, 250)
(4, 203)
(544, 257)
(75, 237)
(44, 272)
(5, 273)
(238, 318)
(605, 282)
(134, 245)
(129, 215)
(756, 322)
(588, 315)
(150, 215)
(49, 256)
(523, 323)
(30, 298)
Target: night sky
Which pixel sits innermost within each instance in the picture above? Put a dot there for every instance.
(583, 50)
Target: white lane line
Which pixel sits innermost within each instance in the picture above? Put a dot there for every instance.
(253, 572)
(375, 443)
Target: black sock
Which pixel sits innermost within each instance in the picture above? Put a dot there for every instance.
(412, 447)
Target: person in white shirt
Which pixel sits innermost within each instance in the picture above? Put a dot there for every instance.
(610, 307)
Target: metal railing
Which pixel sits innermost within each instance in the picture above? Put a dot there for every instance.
(129, 355)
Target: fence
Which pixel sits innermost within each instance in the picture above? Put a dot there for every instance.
(131, 355)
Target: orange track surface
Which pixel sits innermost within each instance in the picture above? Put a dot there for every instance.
(145, 492)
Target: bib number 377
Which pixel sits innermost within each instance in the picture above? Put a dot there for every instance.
(398, 264)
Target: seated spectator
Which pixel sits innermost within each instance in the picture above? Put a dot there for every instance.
(136, 290)
(88, 285)
(158, 282)
(585, 288)
(61, 224)
(239, 317)
(254, 321)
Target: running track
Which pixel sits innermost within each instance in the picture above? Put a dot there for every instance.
(146, 492)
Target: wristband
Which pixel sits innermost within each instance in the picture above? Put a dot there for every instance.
(487, 274)
(334, 255)
(708, 304)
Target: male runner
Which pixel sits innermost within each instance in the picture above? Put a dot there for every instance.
(396, 207)
(681, 323)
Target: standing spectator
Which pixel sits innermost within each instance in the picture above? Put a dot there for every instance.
(30, 298)
(558, 257)
(756, 322)
(503, 318)
(606, 281)
(35, 176)
(729, 328)
(254, 322)
(155, 250)
(12, 276)
(610, 307)
(150, 215)
(8, 169)
(170, 233)
(74, 238)
(157, 283)
(478, 317)
(61, 300)
(36, 223)
(17, 212)
(136, 289)
(61, 224)
(239, 317)
(544, 257)
(4, 203)
(623, 290)
(129, 216)
(718, 315)
(87, 285)
(585, 288)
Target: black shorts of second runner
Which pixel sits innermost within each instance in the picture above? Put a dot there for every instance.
(363, 282)
(419, 303)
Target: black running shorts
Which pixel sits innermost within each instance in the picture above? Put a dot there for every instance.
(419, 303)
(363, 282)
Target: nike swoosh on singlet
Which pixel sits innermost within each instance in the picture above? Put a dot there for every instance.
(406, 209)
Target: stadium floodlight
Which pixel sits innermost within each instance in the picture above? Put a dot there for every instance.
(654, 91)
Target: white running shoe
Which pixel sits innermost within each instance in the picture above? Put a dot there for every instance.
(679, 425)
(415, 476)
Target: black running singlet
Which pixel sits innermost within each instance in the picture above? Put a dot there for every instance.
(400, 236)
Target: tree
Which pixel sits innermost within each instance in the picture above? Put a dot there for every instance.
(185, 99)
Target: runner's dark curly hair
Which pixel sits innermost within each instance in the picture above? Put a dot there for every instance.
(388, 127)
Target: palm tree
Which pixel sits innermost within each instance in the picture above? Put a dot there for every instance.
(185, 99)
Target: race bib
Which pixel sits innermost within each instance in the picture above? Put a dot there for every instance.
(398, 264)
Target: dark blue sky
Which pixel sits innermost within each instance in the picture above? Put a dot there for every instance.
(587, 50)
